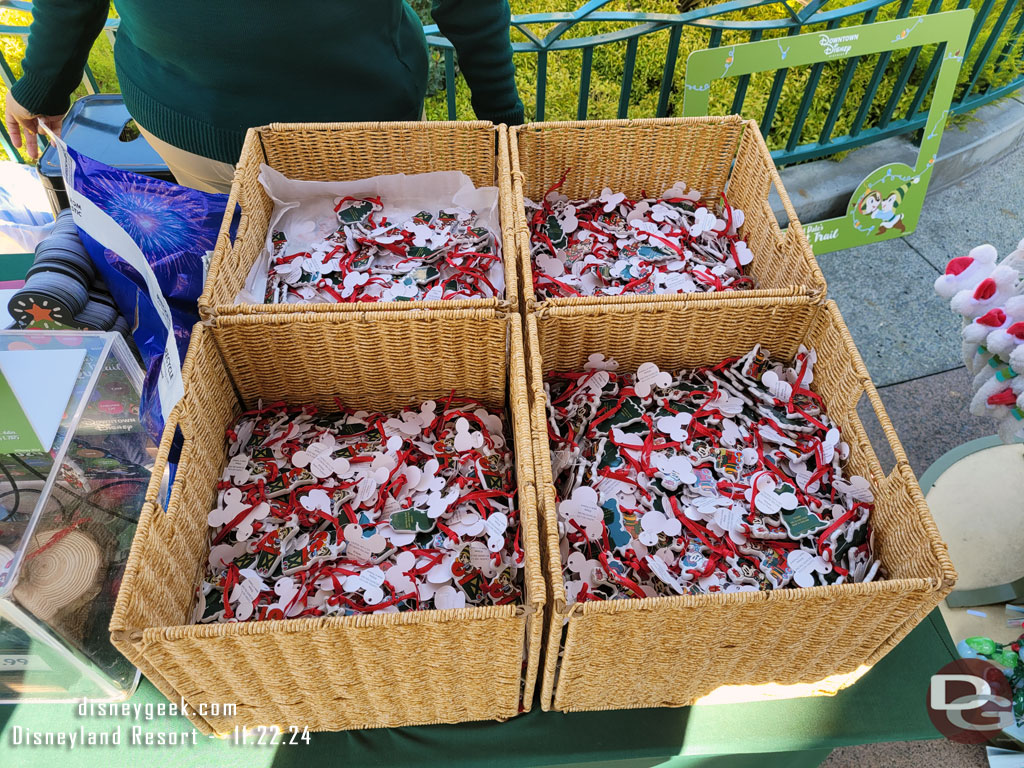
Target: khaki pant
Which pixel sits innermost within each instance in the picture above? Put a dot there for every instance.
(191, 170)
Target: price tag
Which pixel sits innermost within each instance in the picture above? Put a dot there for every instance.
(26, 662)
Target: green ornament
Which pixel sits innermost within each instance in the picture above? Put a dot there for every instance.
(413, 519)
(355, 212)
(1005, 657)
(554, 232)
(983, 645)
(802, 521)
(425, 274)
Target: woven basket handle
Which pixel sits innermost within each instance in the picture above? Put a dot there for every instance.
(156, 491)
(887, 428)
(222, 247)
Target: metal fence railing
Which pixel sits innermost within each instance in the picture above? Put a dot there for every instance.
(894, 96)
(867, 100)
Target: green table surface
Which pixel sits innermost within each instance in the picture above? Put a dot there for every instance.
(887, 704)
(13, 266)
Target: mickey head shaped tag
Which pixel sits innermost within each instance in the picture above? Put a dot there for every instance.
(728, 520)
(231, 507)
(725, 404)
(589, 572)
(286, 590)
(805, 565)
(857, 488)
(466, 522)
(780, 389)
(596, 381)
(370, 582)
(243, 531)
(674, 471)
(361, 547)
(317, 457)
(221, 555)
(611, 200)
(597, 361)
(648, 376)
(703, 221)
(583, 509)
(465, 438)
(660, 569)
(398, 574)
(449, 598)
(654, 523)
(237, 470)
(317, 500)
(496, 524)
(437, 503)
(493, 424)
(828, 445)
(772, 498)
(550, 265)
(245, 594)
(675, 426)
(743, 253)
(732, 434)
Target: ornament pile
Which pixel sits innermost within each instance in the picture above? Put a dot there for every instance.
(358, 512)
(613, 246)
(720, 479)
(990, 299)
(367, 256)
(1008, 658)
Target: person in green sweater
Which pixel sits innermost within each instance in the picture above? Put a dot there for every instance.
(196, 74)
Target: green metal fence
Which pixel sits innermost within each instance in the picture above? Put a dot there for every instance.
(994, 49)
(862, 107)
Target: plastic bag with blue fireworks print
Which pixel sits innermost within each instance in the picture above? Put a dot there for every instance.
(174, 227)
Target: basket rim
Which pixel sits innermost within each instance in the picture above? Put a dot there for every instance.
(534, 595)
(818, 291)
(506, 234)
(630, 121)
(560, 606)
(376, 125)
(208, 311)
(749, 296)
(730, 599)
(318, 623)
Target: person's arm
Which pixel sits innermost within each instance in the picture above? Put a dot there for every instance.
(479, 31)
(59, 40)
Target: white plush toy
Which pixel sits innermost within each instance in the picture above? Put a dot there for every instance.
(1004, 341)
(989, 297)
(965, 272)
(990, 293)
(976, 332)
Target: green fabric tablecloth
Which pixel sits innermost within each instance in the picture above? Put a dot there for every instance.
(887, 704)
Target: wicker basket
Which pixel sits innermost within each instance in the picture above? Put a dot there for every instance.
(345, 152)
(329, 673)
(671, 651)
(711, 154)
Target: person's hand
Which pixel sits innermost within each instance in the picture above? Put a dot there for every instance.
(20, 120)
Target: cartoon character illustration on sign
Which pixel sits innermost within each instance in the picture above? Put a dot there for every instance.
(884, 209)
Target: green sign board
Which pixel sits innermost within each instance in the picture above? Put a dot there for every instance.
(888, 202)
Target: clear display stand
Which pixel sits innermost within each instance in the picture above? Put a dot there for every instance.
(68, 514)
